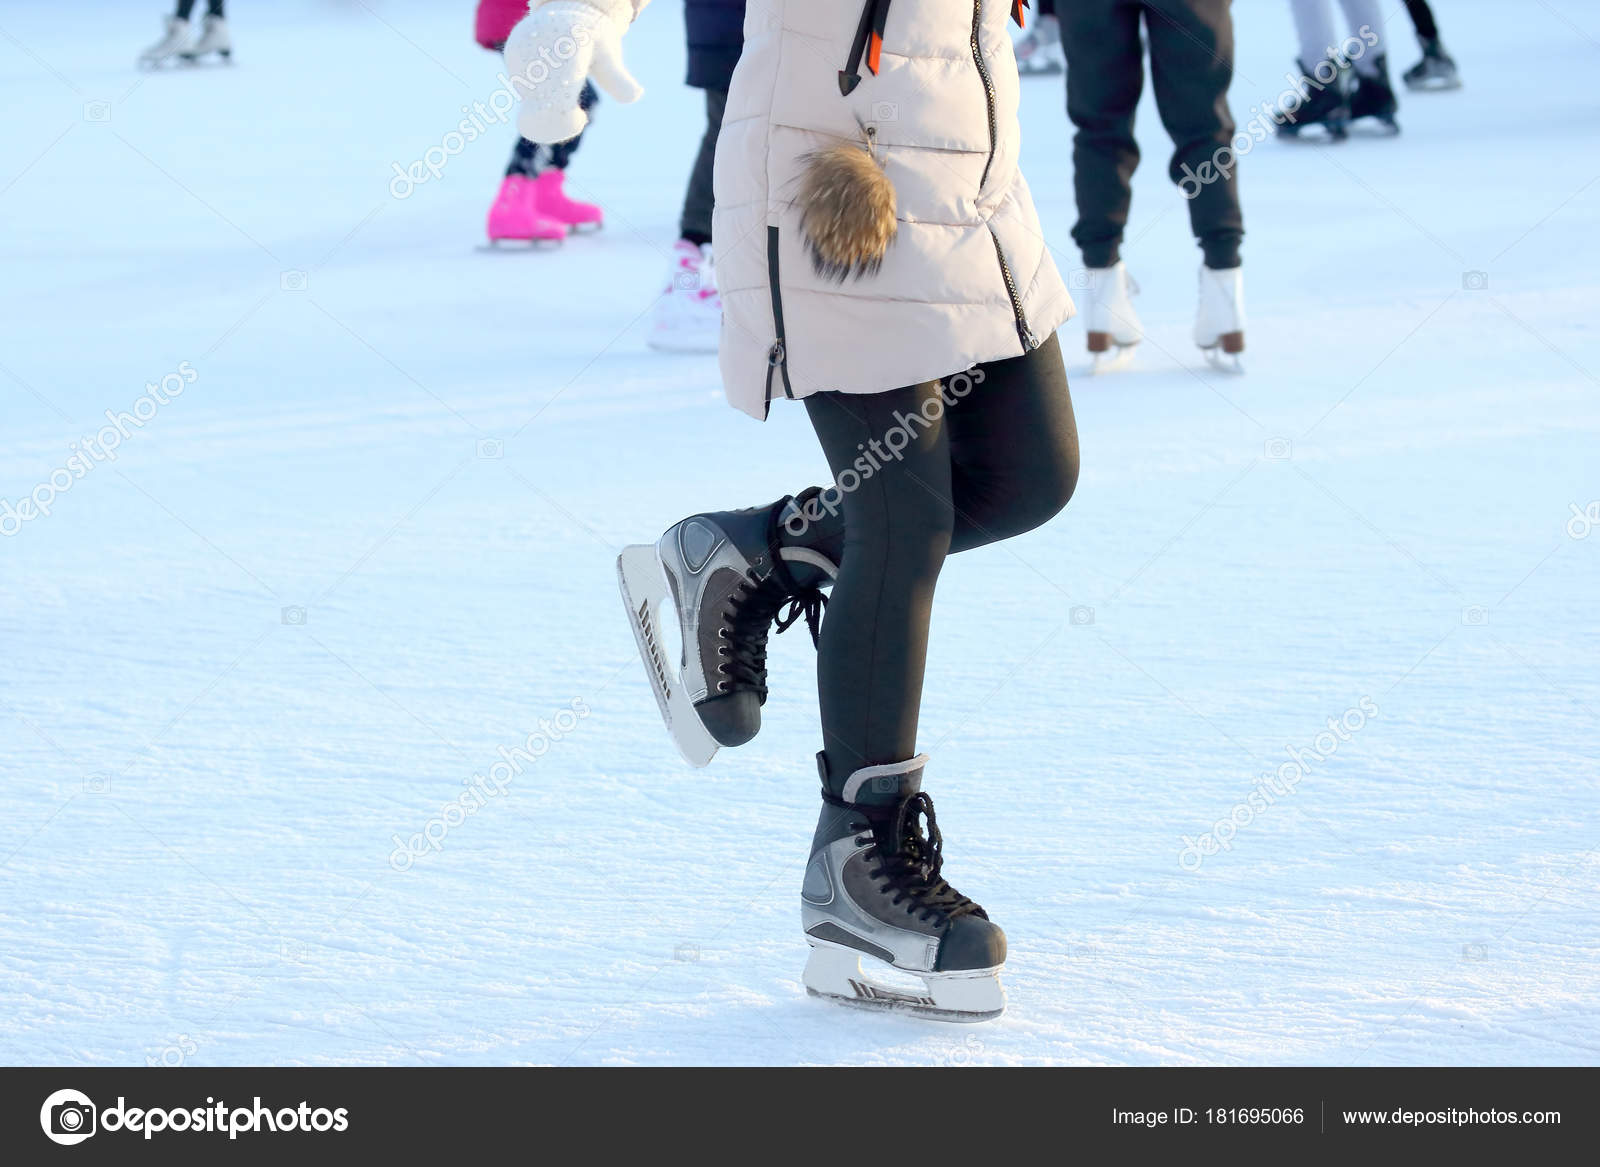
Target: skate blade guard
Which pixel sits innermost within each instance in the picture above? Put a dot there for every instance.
(834, 973)
(644, 589)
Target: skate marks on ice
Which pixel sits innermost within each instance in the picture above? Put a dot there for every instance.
(644, 591)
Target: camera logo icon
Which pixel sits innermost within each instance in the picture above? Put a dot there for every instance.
(1082, 616)
(294, 616)
(68, 1117)
(885, 111)
(1278, 450)
(687, 281)
(97, 111)
(1475, 281)
(491, 448)
(1080, 280)
(1475, 616)
(293, 280)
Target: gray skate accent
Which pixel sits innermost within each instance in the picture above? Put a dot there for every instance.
(818, 888)
(697, 543)
(831, 932)
(908, 772)
(815, 558)
(912, 943)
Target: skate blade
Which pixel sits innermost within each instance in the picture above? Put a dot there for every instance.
(1119, 356)
(644, 588)
(1322, 133)
(1224, 362)
(835, 974)
(511, 246)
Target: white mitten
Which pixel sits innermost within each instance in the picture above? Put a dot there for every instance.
(559, 45)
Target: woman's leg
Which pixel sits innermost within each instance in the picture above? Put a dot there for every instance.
(1013, 447)
(918, 473)
(898, 519)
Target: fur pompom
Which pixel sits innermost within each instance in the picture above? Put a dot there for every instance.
(847, 211)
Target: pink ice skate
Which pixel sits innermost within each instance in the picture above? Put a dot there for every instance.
(552, 201)
(516, 216)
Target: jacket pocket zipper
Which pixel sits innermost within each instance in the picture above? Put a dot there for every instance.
(778, 354)
(1024, 332)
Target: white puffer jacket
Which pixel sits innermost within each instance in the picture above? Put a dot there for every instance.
(968, 276)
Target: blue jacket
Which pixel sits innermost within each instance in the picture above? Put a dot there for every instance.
(716, 36)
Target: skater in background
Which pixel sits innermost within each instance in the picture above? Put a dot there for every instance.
(688, 317)
(1191, 67)
(1039, 48)
(532, 204)
(907, 297)
(1437, 69)
(1350, 74)
(176, 45)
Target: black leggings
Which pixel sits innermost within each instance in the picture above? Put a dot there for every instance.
(185, 7)
(919, 473)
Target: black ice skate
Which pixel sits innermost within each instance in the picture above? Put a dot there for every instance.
(729, 579)
(1436, 70)
(1326, 109)
(1373, 97)
(874, 888)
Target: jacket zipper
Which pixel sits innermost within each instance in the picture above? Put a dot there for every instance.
(778, 354)
(1024, 333)
(988, 88)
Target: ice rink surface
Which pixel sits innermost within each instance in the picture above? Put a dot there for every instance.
(370, 545)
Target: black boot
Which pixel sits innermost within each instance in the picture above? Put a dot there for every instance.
(1373, 96)
(1436, 70)
(1327, 106)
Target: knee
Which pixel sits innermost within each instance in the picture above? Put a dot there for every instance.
(910, 531)
(1042, 493)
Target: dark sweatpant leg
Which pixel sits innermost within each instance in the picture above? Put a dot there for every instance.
(698, 201)
(1422, 18)
(1191, 67)
(1105, 75)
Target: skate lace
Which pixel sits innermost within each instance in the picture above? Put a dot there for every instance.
(754, 606)
(910, 861)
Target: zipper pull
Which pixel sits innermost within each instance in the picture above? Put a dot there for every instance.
(1016, 11)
